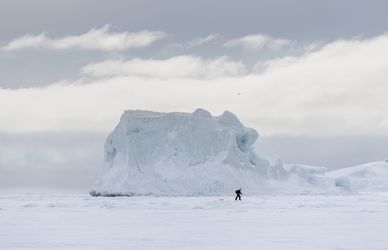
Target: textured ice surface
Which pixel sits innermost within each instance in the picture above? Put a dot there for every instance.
(151, 153)
(370, 177)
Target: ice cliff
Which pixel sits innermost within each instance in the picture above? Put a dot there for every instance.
(151, 153)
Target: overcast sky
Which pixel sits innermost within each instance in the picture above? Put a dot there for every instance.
(306, 73)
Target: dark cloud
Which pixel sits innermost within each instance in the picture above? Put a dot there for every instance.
(294, 19)
(303, 21)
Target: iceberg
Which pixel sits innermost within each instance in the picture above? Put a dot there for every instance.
(175, 154)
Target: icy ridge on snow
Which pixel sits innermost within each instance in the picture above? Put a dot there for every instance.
(370, 177)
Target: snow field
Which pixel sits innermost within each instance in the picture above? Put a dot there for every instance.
(258, 222)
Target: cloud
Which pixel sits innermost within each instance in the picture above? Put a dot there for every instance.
(185, 66)
(95, 39)
(258, 42)
(202, 40)
(337, 89)
(195, 43)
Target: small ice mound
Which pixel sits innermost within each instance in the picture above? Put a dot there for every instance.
(305, 179)
(228, 118)
(305, 171)
(202, 112)
(181, 154)
(370, 177)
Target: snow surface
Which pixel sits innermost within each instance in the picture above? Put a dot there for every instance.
(342, 222)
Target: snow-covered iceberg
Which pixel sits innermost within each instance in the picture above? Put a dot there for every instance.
(370, 177)
(151, 153)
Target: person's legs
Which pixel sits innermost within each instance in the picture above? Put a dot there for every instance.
(239, 197)
(236, 197)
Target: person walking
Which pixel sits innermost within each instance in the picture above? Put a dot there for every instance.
(238, 194)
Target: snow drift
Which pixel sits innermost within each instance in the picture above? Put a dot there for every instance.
(151, 153)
